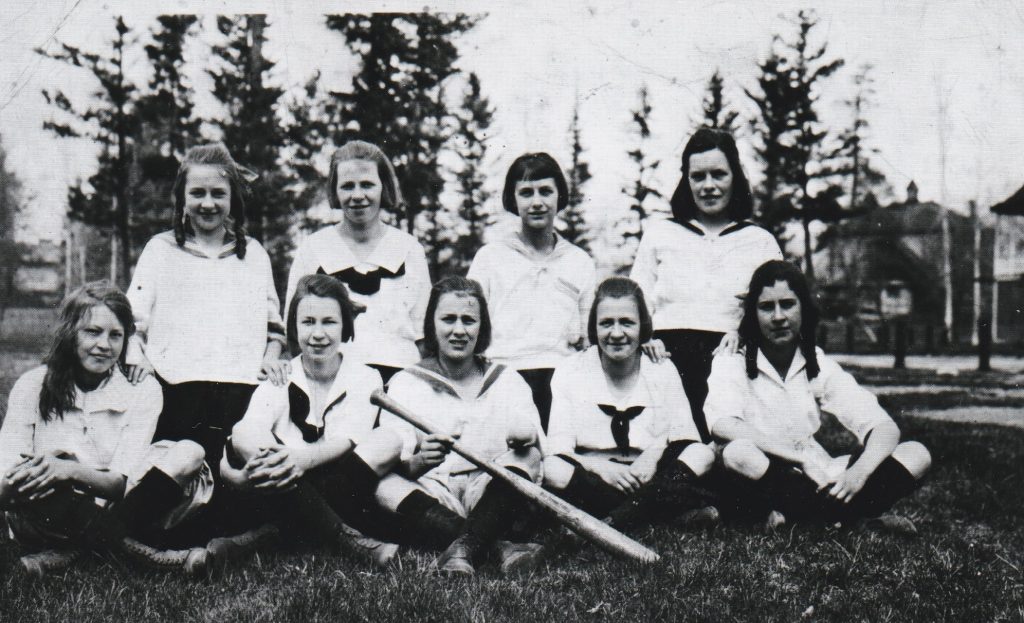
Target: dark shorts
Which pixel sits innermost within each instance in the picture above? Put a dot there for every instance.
(691, 352)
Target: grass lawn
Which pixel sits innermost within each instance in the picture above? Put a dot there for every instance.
(966, 565)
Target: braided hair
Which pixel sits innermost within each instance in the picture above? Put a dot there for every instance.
(213, 154)
(750, 331)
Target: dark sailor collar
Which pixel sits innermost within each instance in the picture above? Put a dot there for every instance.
(335, 254)
(695, 226)
(429, 370)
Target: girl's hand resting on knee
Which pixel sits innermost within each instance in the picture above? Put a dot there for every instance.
(273, 469)
(618, 476)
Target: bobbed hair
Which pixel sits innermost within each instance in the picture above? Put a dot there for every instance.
(620, 288)
(62, 364)
(530, 168)
(326, 287)
(463, 287)
(751, 337)
(213, 154)
(741, 205)
(391, 193)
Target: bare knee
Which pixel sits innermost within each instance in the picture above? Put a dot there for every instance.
(527, 460)
(698, 457)
(913, 456)
(183, 460)
(392, 489)
(381, 450)
(557, 472)
(745, 458)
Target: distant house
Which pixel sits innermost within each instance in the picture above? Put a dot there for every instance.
(1008, 269)
(888, 262)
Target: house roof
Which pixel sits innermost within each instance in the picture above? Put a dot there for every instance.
(1012, 206)
(904, 218)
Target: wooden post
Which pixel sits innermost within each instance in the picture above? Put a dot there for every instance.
(984, 345)
(900, 349)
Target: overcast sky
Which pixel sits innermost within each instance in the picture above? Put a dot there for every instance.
(534, 57)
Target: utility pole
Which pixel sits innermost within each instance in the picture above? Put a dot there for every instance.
(947, 269)
(976, 225)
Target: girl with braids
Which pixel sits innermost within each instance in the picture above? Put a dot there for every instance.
(77, 466)
(384, 268)
(206, 312)
(621, 442)
(766, 402)
(695, 266)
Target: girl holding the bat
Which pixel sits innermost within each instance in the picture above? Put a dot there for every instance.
(490, 410)
(383, 267)
(207, 315)
(307, 452)
(766, 402)
(78, 467)
(538, 284)
(621, 442)
(695, 266)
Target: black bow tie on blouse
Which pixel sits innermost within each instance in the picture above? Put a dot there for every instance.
(620, 424)
(368, 283)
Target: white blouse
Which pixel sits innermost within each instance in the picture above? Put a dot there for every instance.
(588, 415)
(393, 283)
(538, 305)
(200, 317)
(108, 428)
(694, 279)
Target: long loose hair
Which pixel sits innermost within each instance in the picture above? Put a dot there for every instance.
(62, 363)
(741, 204)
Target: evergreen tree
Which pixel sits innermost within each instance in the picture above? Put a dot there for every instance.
(168, 127)
(864, 178)
(716, 113)
(800, 153)
(571, 222)
(109, 121)
(474, 120)
(395, 100)
(640, 190)
(253, 133)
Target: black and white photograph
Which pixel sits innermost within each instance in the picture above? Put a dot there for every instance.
(682, 310)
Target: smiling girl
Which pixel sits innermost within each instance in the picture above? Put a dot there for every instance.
(77, 466)
(695, 266)
(538, 285)
(384, 268)
(621, 442)
(207, 315)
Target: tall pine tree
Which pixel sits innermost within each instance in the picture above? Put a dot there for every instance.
(864, 178)
(395, 100)
(572, 223)
(253, 132)
(474, 121)
(716, 112)
(110, 122)
(800, 154)
(640, 190)
(168, 126)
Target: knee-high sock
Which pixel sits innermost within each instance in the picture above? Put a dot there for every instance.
(588, 492)
(311, 512)
(155, 496)
(886, 485)
(347, 485)
(673, 490)
(430, 524)
(493, 515)
(791, 492)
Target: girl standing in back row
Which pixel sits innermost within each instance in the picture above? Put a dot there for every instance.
(538, 285)
(384, 268)
(695, 267)
(207, 315)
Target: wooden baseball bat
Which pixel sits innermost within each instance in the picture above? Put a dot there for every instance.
(587, 526)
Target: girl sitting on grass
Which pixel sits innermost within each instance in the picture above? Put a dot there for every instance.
(308, 452)
(621, 442)
(78, 467)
